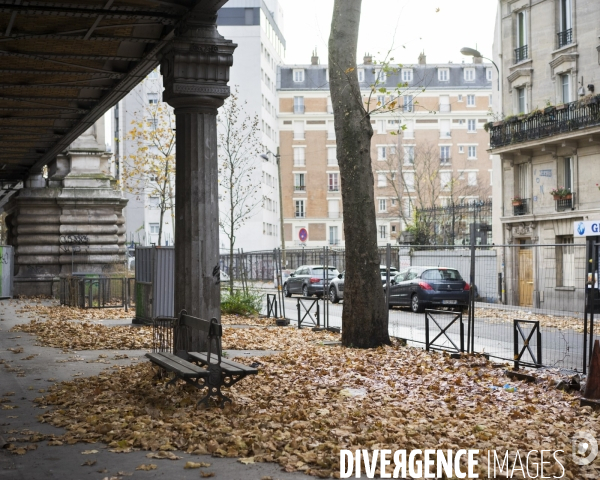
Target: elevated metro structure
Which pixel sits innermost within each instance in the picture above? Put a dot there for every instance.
(63, 64)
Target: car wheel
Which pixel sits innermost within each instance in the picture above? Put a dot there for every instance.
(286, 292)
(305, 291)
(415, 304)
(333, 295)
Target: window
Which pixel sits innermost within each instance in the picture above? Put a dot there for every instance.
(471, 125)
(472, 152)
(445, 154)
(382, 153)
(383, 232)
(407, 75)
(299, 182)
(380, 76)
(300, 212)
(299, 130)
(472, 179)
(445, 104)
(381, 180)
(409, 155)
(409, 133)
(380, 100)
(565, 261)
(407, 208)
(460, 97)
(565, 88)
(408, 103)
(333, 236)
(330, 130)
(443, 74)
(334, 208)
(409, 181)
(361, 75)
(566, 179)
(154, 201)
(153, 98)
(521, 100)
(382, 205)
(333, 184)
(469, 74)
(523, 180)
(445, 129)
(461, 149)
(470, 100)
(298, 104)
(488, 74)
(299, 157)
(332, 156)
(381, 126)
(490, 100)
(565, 34)
(298, 75)
(521, 50)
(445, 180)
(154, 228)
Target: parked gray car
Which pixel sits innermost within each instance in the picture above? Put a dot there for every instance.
(336, 287)
(307, 280)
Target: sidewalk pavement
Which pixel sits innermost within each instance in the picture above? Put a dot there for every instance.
(27, 377)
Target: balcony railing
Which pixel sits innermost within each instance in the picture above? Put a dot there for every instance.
(300, 188)
(563, 204)
(335, 215)
(445, 160)
(334, 241)
(552, 121)
(521, 207)
(445, 134)
(299, 109)
(333, 189)
(445, 108)
(565, 38)
(521, 54)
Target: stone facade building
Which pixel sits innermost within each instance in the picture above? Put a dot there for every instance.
(548, 54)
(433, 127)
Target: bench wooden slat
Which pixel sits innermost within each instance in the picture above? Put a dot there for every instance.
(178, 365)
(200, 324)
(227, 365)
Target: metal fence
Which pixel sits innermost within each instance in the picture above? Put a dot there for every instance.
(94, 291)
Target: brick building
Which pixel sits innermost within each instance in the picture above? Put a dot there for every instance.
(443, 108)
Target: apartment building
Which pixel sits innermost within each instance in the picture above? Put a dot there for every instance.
(549, 139)
(432, 128)
(256, 27)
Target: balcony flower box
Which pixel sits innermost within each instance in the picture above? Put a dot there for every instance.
(568, 196)
(563, 106)
(549, 109)
(561, 193)
(517, 201)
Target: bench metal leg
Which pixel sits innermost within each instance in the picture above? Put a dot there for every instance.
(214, 391)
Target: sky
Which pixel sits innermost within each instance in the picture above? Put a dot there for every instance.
(438, 27)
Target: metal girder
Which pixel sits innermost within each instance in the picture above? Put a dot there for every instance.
(45, 110)
(94, 38)
(112, 76)
(56, 87)
(44, 55)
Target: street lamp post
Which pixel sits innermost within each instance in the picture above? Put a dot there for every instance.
(278, 158)
(471, 52)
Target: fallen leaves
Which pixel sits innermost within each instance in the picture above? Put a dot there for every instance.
(163, 454)
(89, 463)
(147, 467)
(495, 315)
(192, 465)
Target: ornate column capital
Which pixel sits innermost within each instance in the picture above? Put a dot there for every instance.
(195, 66)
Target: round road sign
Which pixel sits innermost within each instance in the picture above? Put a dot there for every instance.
(303, 234)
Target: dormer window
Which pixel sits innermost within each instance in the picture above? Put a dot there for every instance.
(469, 74)
(298, 75)
(443, 74)
(407, 74)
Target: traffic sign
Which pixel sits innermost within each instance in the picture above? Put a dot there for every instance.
(303, 234)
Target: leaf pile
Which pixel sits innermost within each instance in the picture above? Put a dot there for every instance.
(560, 322)
(62, 312)
(310, 401)
(246, 320)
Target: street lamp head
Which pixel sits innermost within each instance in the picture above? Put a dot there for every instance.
(470, 52)
(264, 156)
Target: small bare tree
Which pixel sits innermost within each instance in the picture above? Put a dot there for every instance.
(150, 170)
(239, 144)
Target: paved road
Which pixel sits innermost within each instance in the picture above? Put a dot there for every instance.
(561, 348)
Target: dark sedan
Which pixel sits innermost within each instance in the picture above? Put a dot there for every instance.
(426, 287)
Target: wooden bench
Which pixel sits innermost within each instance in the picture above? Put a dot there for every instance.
(174, 342)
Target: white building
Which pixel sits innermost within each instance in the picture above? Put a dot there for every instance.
(256, 26)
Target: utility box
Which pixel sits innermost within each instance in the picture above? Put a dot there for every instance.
(154, 283)
(6, 271)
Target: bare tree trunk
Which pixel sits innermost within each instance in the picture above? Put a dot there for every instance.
(365, 316)
(160, 224)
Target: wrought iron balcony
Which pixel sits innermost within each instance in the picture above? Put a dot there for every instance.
(300, 188)
(521, 207)
(552, 121)
(334, 241)
(445, 160)
(566, 203)
(521, 54)
(565, 38)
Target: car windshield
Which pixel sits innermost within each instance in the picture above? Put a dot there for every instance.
(384, 270)
(319, 271)
(441, 274)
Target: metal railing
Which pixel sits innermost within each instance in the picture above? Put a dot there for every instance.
(566, 203)
(298, 109)
(445, 134)
(565, 37)
(521, 207)
(445, 160)
(300, 188)
(552, 121)
(95, 291)
(521, 54)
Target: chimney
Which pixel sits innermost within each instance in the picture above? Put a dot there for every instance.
(477, 59)
(314, 60)
(367, 59)
(422, 59)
